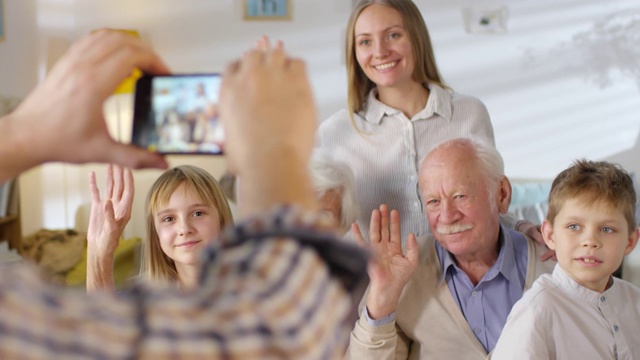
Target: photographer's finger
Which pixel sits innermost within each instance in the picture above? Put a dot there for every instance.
(277, 57)
(103, 46)
(263, 43)
(133, 157)
(120, 64)
(144, 57)
(251, 59)
(231, 69)
(297, 67)
(94, 45)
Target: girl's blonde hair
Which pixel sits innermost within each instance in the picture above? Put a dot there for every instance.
(425, 71)
(156, 266)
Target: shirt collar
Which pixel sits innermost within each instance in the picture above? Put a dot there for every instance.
(591, 296)
(439, 103)
(374, 110)
(446, 261)
(505, 264)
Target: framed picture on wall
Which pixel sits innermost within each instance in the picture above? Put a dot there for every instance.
(267, 9)
(485, 19)
(1, 20)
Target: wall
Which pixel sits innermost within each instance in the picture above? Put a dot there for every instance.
(562, 83)
(18, 52)
(561, 71)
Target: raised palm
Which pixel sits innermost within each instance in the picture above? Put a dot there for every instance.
(110, 214)
(389, 269)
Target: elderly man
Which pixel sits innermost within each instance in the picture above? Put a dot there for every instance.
(447, 299)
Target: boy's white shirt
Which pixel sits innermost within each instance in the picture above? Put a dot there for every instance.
(560, 319)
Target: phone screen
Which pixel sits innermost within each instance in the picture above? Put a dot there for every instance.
(178, 114)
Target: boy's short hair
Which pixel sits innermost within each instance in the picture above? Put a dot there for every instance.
(594, 181)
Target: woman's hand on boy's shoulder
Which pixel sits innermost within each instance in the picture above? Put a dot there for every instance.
(533, 231)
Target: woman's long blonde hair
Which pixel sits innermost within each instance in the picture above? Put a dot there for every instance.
(425, 71)
(156, 266)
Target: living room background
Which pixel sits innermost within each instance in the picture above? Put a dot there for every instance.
(561, 83)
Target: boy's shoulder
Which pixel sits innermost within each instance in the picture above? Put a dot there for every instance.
(544, 301)
(555, 295)
(550, 292)
(544, 291)
(626, 290)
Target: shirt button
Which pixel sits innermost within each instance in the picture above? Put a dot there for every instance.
(474, 294)
(602, 298)
(415, 204)
(616, 328)
(412, 177)
(476, 330)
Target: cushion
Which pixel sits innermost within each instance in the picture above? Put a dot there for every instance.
(54, 251)
(530, 192)
(529, 200)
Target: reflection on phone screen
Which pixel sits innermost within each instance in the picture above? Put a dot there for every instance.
(182, 116)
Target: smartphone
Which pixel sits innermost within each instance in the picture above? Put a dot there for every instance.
(178, 114)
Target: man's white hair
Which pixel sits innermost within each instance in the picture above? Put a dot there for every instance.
(488, 158)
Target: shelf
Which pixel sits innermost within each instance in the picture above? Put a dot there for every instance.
(8, 219)
(10, 227)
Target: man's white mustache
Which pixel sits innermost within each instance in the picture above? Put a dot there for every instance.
(453, 228)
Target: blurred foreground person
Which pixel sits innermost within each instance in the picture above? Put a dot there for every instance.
(276, 285)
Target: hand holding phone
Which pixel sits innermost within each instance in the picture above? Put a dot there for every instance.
(178, 114)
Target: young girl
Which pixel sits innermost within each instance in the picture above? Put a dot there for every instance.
(186, 209)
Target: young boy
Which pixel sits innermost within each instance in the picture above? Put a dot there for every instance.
(580, 311)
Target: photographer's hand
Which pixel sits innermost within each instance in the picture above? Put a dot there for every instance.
(266, 101)
(62, 119)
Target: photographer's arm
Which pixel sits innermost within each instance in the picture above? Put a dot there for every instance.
(304, 260)
(62, 118)
(273, 170)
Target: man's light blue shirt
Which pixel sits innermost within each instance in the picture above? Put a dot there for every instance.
(486, 311)
(487, 304)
